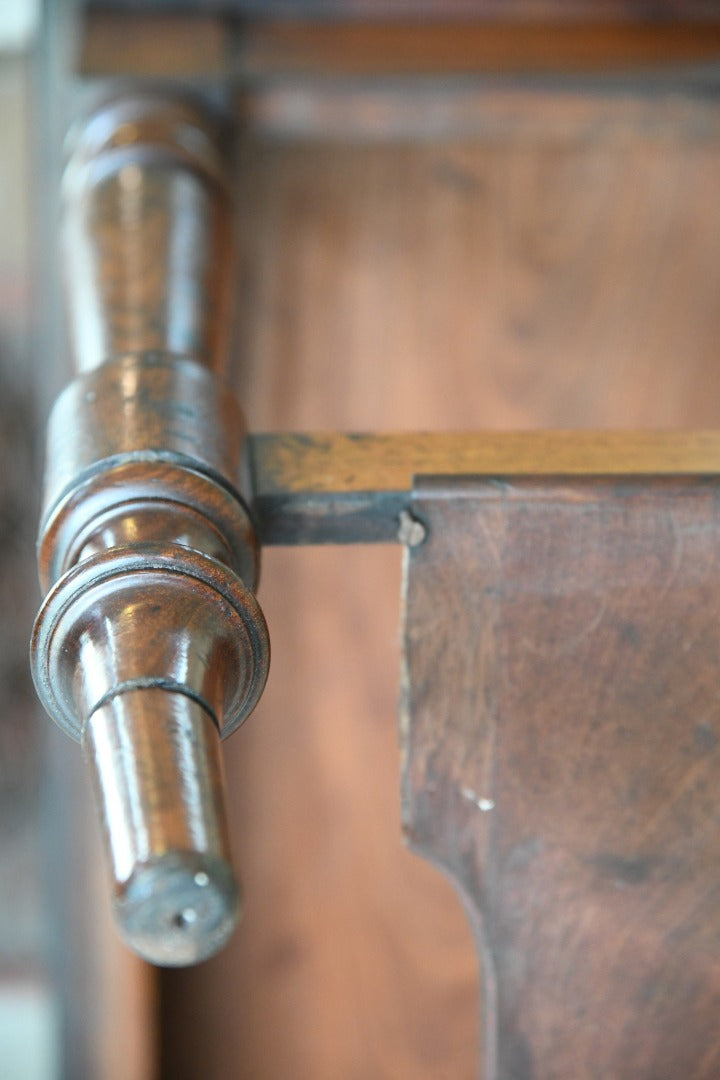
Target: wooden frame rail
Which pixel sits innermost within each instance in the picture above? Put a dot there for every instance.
(352, 489)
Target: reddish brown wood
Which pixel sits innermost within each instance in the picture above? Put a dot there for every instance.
(562, 759)
(145, 228)
(421, 48)
(543, 279)
(196, 44)
(150, 644)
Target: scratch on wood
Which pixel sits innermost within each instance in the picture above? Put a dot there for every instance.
(479, 801)
(570, 644)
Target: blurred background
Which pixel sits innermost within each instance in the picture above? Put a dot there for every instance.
(29, 1017)
(446, 253)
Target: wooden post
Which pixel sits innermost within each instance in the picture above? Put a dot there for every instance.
(150, 644)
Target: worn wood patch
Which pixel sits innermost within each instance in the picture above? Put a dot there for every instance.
(561, 734)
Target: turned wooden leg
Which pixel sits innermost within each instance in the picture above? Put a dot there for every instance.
(150, 645)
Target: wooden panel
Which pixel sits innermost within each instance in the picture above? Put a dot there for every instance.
(534, 280)
(150, 43)
(561, 761)
(397, 49)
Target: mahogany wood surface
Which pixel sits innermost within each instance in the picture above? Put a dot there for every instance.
(397, 49)
(560, 729)
(106, 997)
(564, 277)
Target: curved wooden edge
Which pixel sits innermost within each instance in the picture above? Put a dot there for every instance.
(559, 746)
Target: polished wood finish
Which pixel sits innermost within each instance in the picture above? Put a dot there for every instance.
(96, 979)
(150, 645)
(400, 49)
(145, 214)
(147, 446)
(559, 720)
(349, 489)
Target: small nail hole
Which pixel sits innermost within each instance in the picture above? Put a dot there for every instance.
(185, 918)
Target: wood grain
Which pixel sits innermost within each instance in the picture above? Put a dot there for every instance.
(506, 282)
(147, 253)
(560, 760)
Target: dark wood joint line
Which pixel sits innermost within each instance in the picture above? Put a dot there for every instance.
(358, 488)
